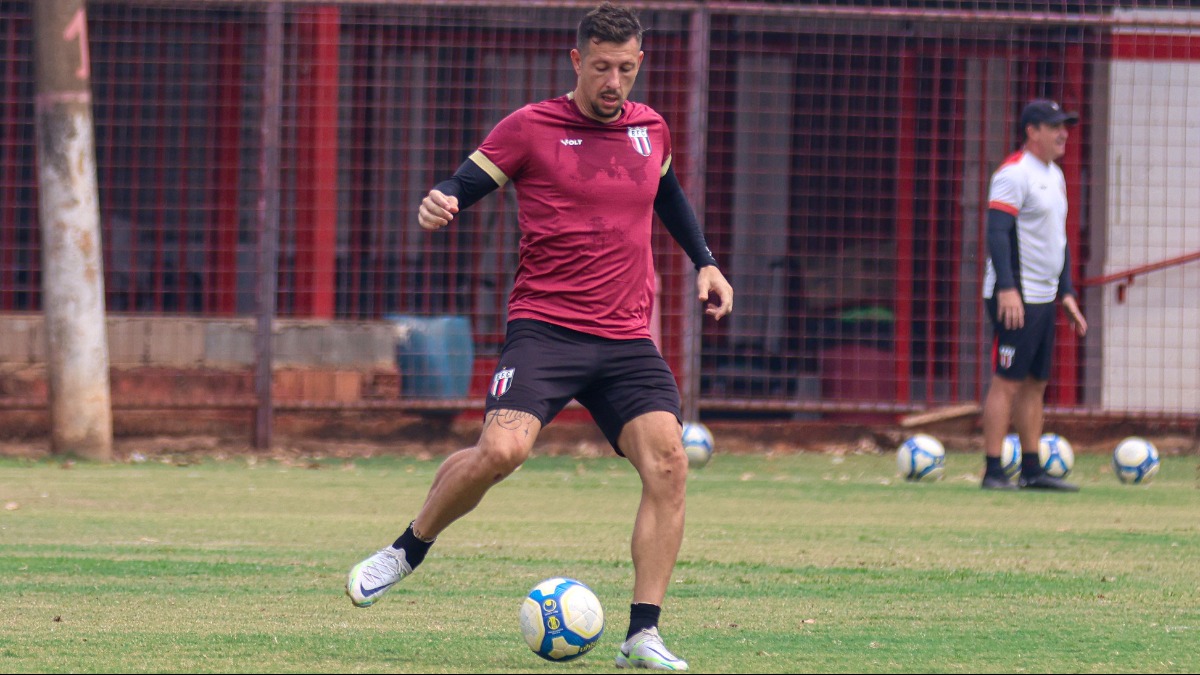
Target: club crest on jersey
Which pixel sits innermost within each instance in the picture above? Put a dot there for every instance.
(502, 381)
(640, 137)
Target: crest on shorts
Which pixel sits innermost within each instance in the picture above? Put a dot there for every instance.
(640, 137)
(1006, 354)
(502, 381)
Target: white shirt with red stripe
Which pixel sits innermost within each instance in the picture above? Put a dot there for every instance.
(1036, 193)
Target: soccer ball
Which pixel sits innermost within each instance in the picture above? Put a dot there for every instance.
(1135, 460)
(1056, 455)
(698, 444)
(561, 619)
(921, 457)
(1010, 455)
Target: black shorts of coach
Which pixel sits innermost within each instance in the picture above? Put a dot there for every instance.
(1026, 351)
(543, 366)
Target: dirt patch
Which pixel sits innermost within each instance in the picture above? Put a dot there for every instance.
(354, 434)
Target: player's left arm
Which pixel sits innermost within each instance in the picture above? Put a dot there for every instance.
(677, 214)
(1066, 291)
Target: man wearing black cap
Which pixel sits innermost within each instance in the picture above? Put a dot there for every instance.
(1028, 269)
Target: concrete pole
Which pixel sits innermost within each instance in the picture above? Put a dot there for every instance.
(72, 273)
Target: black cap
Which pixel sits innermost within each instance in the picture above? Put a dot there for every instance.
(1044, 111)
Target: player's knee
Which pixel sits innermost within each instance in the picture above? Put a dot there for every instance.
(669, 465)
(504, 456)
(1034, 386)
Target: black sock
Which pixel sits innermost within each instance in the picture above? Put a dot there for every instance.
(1031, 464)
(993, 468)
(414, 547)
(642, 615)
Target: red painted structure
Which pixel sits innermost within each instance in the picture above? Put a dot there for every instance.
(382, 100)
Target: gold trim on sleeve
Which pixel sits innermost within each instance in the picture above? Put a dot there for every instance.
(489, 167)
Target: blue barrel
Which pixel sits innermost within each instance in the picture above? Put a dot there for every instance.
(435, 355)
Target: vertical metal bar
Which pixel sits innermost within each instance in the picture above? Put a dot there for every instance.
(696, 175)
(160, 171)
(933, 289)
(106, 163)
(379, 185)
(8, 170)
(268, 221)
(303, 167)
(407, 173)
(361, 138)
(1066, 360)
(223, 273)
(185, 289)
(316, 153)
(454, 115)
(907, 92)
(136, 156)
(673, 275)
(286, 278)
(984, 186)
(957, 142)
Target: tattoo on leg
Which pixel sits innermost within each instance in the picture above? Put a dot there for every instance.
(512, 420)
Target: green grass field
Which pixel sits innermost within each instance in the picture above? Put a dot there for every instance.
(799, 563)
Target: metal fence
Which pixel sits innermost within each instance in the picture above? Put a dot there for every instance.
(839, 156)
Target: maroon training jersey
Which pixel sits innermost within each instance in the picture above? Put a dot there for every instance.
(585, 194)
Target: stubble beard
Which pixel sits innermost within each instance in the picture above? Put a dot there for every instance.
(599, 111)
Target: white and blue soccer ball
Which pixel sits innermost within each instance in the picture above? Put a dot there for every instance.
(1010, 456)
(1056, 455)
(698, 444)
(921, 458)
(1135, 460)
(561, 619)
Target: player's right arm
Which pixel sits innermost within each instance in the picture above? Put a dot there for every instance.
(1010, 310)
(1004, 200)
(481, 174)
(470, 183)
(437, 210)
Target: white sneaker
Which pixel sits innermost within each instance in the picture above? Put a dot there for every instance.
(645, 649)
(375, 576)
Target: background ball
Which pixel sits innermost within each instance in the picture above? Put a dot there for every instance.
(1135, 460)
(698, 444)
(921, 458)
(1010, 455)
(561, 619)
(1056, 455)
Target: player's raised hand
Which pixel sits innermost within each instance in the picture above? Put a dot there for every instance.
(437, 210)
(715, 291)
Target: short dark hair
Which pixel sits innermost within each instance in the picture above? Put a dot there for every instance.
(608, 23)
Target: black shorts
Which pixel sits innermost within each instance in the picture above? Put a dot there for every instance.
(543, 366)
(1026, 351)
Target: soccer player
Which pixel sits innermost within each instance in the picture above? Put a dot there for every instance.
(591, 168)
(1028, 269)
